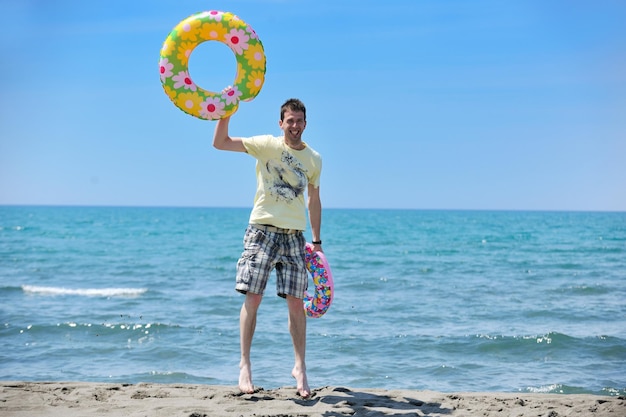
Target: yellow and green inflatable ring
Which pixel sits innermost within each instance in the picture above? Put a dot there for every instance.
(218, 26)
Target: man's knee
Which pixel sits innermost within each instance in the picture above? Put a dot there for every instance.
(253, 300)
(294, 303)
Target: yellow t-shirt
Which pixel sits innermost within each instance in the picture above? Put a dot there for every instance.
(282, 178)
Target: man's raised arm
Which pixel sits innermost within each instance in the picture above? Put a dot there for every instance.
(221, 139)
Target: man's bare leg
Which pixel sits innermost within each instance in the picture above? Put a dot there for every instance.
(297, 328)
(247, 325)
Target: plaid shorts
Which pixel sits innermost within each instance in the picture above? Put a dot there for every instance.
(264, 251)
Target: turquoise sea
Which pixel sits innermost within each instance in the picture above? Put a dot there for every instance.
(429, 300)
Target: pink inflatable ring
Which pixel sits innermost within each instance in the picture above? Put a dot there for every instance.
(317, 305)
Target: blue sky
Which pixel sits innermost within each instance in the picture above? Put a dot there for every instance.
(428, 104)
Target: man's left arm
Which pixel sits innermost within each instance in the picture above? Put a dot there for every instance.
(315, 215)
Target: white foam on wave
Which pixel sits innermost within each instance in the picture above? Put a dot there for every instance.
(546, 389)
(88, 292)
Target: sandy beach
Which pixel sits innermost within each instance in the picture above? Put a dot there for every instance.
(69, 399)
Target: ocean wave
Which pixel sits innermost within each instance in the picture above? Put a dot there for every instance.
(97, 329)
(567, 389)
(547, 338)
(86, 292)
(584, 289)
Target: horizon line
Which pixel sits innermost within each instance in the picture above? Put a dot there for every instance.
(44, 205)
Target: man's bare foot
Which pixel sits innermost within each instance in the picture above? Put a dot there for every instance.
(245, 378)
(301, 382)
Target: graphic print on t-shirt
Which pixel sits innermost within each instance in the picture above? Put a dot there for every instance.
(287, 179)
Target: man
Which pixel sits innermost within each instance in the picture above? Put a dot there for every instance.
(286, 168)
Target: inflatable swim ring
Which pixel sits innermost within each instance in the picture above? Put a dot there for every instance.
(218, 26)
(317, 304)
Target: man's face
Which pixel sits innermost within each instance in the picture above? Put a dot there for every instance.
(293, 124)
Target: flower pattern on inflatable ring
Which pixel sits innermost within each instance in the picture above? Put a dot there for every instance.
(165, 68)
(254, 55)
(212, 31)
(219, 26)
